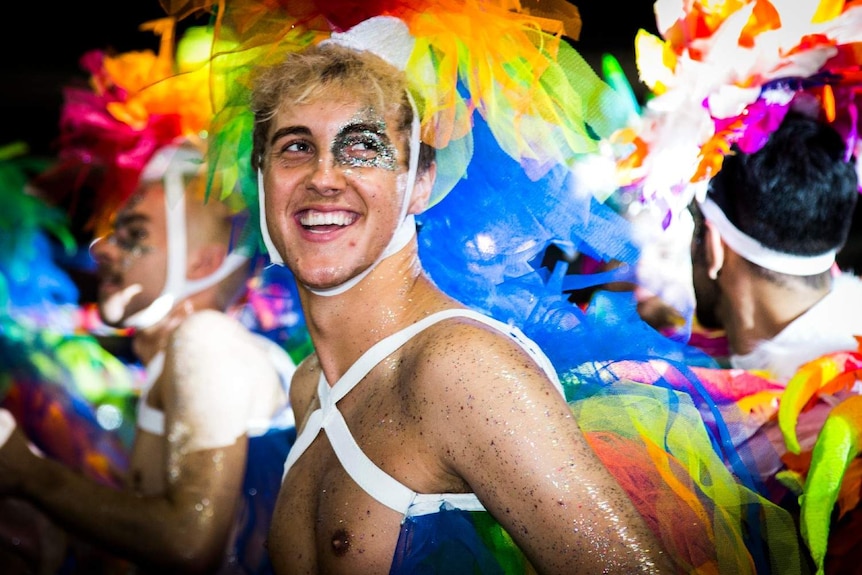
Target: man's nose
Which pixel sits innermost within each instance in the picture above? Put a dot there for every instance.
(327, 177)
(99, 249)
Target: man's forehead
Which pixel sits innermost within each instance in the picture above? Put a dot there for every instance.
(145, 197)
(344, 107)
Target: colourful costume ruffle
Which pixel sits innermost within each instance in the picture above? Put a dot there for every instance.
(472, 540)
(71, 397)
(660, 414)
(726, 73)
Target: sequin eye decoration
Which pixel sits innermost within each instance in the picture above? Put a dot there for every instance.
(365, 145)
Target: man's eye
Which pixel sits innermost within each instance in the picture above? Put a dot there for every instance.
(365, 150)
(364, 147)
(292, 152)
(130, 239)
(296, 146)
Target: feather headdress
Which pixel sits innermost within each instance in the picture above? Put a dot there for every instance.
(541, 100)
(725, 74)
(136, 103)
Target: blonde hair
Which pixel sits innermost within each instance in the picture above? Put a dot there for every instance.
(324, 69)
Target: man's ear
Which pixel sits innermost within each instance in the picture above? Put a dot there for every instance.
(422, 190)
(714, 250)
(205, 260)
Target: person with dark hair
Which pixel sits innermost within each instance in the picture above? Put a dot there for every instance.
(764, 250)
(754, 126)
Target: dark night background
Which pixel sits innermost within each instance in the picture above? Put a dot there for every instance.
(41, 55)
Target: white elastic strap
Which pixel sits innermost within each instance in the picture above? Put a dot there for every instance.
(755, 252)
(7, 425)
(274, 256)
(171, 168)
(149, 418)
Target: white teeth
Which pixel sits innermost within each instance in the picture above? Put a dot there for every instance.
(326, 219)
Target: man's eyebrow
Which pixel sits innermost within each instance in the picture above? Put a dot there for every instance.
(289, 131)
(375, 127)
(129, 219)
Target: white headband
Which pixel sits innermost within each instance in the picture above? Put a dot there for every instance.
(755, 252)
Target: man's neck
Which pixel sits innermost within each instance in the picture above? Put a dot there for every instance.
(393, 296)
(766, 310)
(149, 341)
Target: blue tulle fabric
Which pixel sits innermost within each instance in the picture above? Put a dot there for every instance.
(455, 541)
(264, 470)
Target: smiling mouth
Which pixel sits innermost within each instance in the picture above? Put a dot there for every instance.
(320, 222)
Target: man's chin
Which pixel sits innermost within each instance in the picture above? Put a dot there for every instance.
(327, 278)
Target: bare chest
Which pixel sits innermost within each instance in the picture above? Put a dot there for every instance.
(325, 521)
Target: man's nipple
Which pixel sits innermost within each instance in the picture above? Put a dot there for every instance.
(340, 543)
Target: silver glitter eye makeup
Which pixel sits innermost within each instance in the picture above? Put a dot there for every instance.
(364, 149)
(128, 241)
(363, 143)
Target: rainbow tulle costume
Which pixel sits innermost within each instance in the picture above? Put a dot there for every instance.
(517, 118)
(72, 398)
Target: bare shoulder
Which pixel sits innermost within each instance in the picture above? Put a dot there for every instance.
(489, 406)
(217, 378)
(463, 360)
(210, 339)
(211, 353)
(208, 328)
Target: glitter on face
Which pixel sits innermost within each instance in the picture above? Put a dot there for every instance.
(363, 143)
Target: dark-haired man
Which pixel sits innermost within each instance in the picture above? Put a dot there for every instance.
(764, 250)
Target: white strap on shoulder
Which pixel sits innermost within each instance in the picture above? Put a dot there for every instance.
(7, 425)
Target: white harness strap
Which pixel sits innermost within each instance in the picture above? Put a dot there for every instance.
(373, 480)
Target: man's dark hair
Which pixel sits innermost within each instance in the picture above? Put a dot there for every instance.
(796, 194)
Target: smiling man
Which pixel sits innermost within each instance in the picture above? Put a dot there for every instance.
(427, 430)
